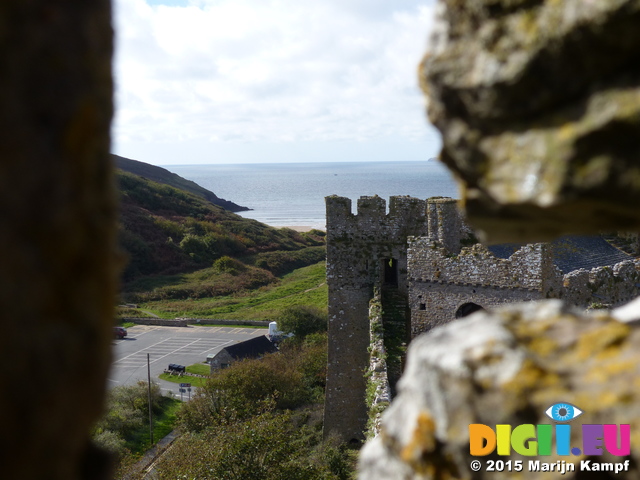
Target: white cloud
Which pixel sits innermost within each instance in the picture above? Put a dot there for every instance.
(256, 71)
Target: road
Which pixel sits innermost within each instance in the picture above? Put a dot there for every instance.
(181, 345)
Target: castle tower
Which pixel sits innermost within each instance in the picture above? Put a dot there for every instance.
(363, 250)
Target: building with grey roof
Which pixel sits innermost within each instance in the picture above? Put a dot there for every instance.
(253, 348)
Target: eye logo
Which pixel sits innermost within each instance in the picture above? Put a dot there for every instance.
(563, 412)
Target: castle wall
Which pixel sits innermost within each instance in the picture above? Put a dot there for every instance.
(530, 267)
(441, 282)
(378, 388)
(607, 286)
(436, 303)
(345, 409)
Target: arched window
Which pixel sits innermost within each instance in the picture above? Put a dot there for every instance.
(467, 309)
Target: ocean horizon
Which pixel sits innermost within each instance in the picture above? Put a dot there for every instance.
(292, 194)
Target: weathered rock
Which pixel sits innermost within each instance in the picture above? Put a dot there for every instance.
(58, 274)
(508, 367)
(539, 107)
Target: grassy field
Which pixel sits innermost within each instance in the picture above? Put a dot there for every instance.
(304, 286)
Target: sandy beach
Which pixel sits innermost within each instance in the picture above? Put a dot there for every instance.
(302, 228)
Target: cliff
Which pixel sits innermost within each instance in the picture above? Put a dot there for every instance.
(162, 175)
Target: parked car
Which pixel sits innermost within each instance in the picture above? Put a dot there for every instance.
(177, 369)
(120, 332)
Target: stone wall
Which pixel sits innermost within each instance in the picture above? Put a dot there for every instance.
(345, 411)
(378, 389)
(530, 267)
(163, 322)
(183, 322)
(444, 223)
(214, 321)
(603, 286)
(441, 282)
(221, 360)
(436, 303)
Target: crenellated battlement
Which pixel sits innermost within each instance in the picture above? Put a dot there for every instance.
(401, 210)
(337, 207)
(437, 218)
(365, 249)
(372, 207)
(405, 206)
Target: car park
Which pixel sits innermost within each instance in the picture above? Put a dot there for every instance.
(152, 348)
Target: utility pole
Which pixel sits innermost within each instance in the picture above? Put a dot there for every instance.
(150, 413)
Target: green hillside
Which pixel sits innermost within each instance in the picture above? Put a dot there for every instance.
(162, 175)
(167, 231)
(231, 295)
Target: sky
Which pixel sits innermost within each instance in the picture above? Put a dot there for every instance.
(270, 81)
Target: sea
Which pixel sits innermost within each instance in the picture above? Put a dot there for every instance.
(292, 194)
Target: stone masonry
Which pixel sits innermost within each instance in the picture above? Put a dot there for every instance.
(442, 283)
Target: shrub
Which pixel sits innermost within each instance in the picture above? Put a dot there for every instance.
(263, 447)
(245, 389)
(111, 442)
(140, 256)
(200, 249)
(302, 320)
(229, 265)
(170, 228)
(127, 408)
(239, 425)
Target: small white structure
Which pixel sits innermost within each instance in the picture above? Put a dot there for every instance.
(274, 334)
